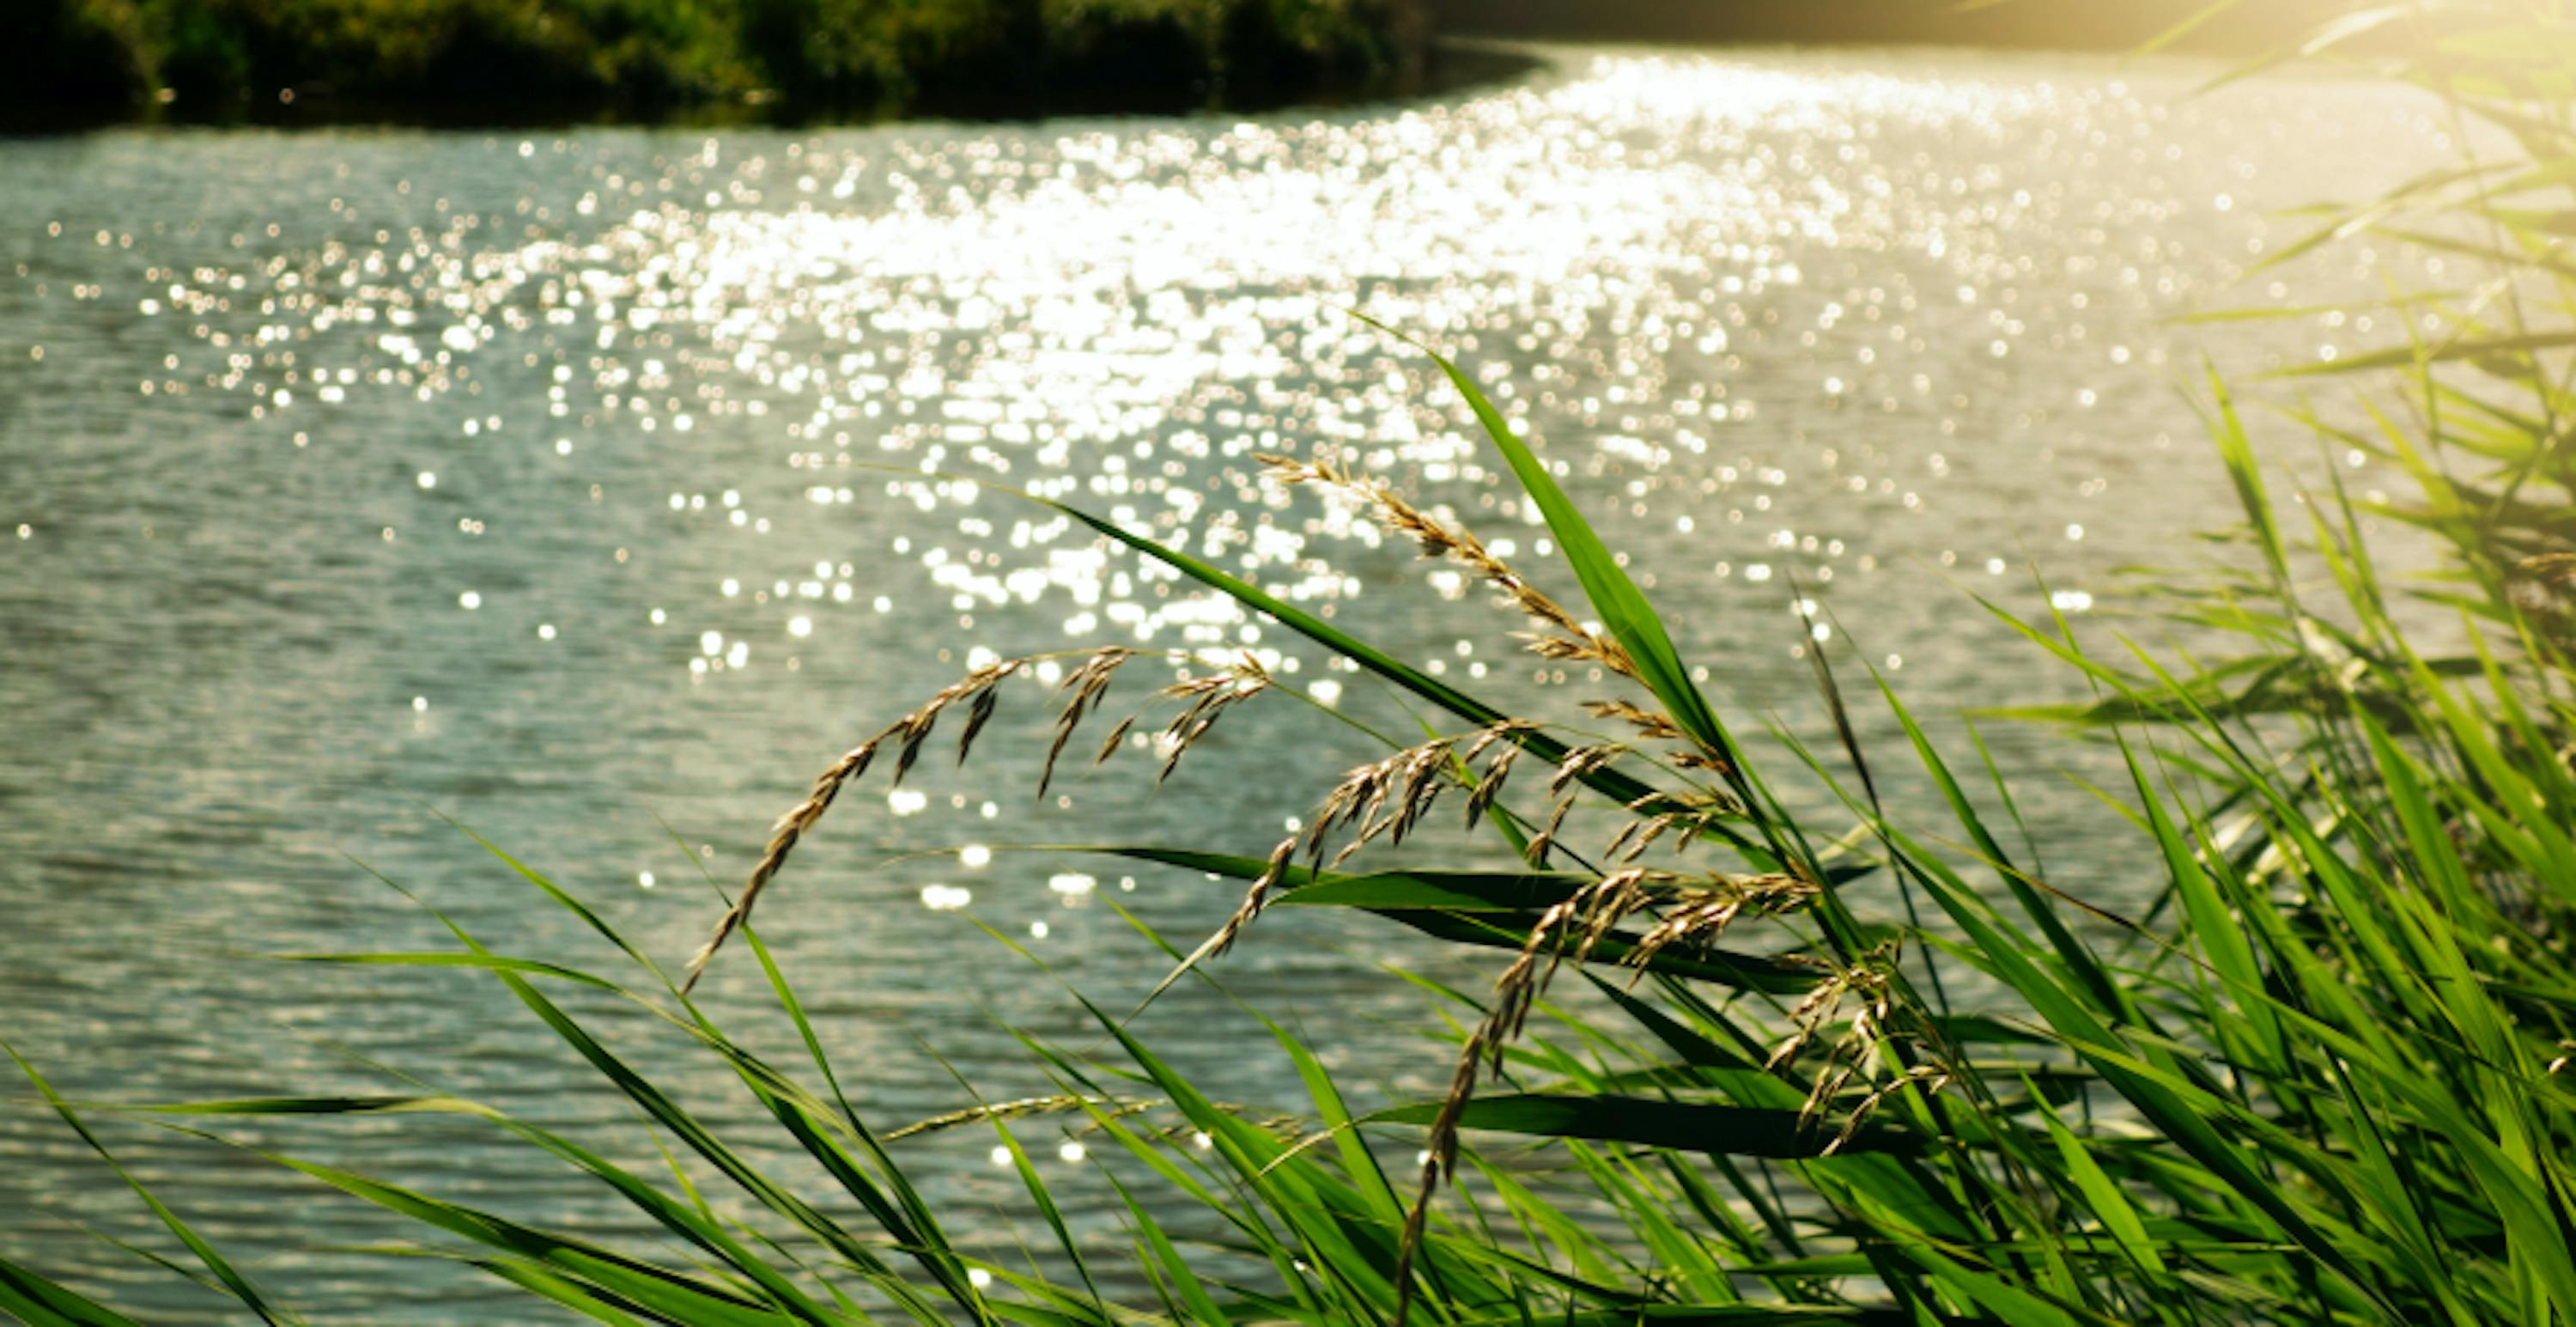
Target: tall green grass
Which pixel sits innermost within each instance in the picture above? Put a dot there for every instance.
(2321, 1080)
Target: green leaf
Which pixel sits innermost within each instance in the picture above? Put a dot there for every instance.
(1742, 1131)
(40, 1303)
(1489, 909)
(2463, 348)
(233, 1281)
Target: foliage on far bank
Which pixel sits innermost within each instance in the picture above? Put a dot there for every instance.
(227, 58)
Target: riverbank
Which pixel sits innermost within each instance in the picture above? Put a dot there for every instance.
(77, 61)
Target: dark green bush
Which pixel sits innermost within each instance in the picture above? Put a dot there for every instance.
(226, 56)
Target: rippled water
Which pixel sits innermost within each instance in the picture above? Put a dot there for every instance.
(578, 486)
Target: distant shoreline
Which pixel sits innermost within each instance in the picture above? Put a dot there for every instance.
(77, 64)
(2073, 25)
(1448, 67)
(90, 64)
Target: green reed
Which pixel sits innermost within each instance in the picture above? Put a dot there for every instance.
(2320, 1080)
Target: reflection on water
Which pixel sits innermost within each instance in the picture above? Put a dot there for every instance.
(596, 488)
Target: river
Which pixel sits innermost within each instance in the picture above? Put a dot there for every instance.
(571, 484)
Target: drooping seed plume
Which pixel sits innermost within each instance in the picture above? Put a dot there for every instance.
(1383, 799)
(1209, 697)
(1083, 690)
(978, 694)
(1562, 636)
(1695, 911)
(977, 691)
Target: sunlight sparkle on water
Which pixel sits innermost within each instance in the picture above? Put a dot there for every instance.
(1734, 301)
